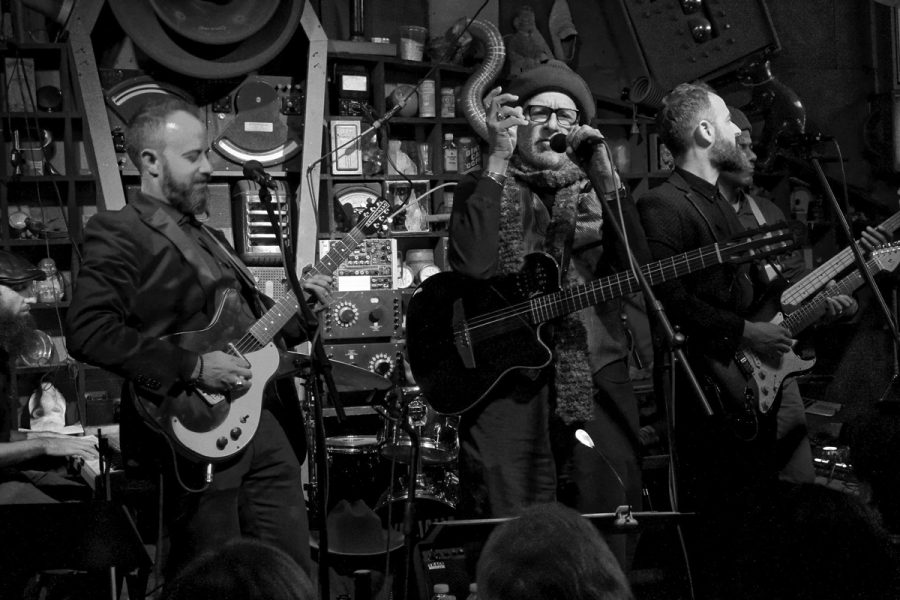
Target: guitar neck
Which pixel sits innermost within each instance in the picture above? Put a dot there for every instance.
(811, 282)
(557, 304)
(812, 311)
(284, 309)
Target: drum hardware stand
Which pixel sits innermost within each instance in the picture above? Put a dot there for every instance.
(320, 365)
(409, 512)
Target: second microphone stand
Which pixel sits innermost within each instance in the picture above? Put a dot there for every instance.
(320, 369)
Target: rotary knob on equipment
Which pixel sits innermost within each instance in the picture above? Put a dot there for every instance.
(346, 314)
(381, 364)
(376, 315)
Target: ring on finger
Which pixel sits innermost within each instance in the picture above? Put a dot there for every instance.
(238, 382)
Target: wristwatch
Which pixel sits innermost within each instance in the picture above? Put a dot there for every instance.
(500, 178)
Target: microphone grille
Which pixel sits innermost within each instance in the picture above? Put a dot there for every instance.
(558, 142)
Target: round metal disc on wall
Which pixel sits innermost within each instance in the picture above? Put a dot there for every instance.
(173, 49)
(215, 22)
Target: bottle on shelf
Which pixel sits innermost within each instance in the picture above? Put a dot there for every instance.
(448, 102)
(427, 103)
(442, 592)
(451, 159)
(473, 591)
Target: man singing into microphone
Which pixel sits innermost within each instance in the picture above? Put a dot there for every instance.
(532, 198)
(153, 269)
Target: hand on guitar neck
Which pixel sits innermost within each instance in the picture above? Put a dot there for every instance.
(873, 237)
(221, 372)
(319, 285)
(841, 306)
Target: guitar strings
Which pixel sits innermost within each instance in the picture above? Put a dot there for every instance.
(621, 279)
(545, 303)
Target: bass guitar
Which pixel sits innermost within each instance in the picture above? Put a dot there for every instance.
(212, 427)
(816, 279)
(464, 335)
(748, 385)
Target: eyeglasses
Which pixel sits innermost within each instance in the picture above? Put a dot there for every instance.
(566, 117)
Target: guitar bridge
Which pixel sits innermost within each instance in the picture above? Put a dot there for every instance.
(461, 337)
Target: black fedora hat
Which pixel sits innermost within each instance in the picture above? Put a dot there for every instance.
(152, 32)
(15, 270)
(355, 530)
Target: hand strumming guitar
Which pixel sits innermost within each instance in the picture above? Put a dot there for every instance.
(221, 372)
(766, 338)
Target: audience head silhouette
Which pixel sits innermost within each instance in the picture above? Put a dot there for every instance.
(549, 552)
(243, 569)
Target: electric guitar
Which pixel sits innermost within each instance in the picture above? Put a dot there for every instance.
(464, 335)
(748, 385)
(212, 427)
(812, 281)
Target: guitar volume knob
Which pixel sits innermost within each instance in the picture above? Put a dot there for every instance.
(236, 433)
(221, 443)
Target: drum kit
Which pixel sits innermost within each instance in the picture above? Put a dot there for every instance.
(374, 467)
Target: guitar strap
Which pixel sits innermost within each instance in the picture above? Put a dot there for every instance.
(772, 270)
(240, 269)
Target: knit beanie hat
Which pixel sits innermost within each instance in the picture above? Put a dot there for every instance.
(554, 76)
(740, 119)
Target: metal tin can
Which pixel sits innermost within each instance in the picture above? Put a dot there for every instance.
(448, 102)
(469, 155)
(426, 98)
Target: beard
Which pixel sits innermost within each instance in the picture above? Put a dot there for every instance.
(190, 198)
(727, 158)
(15, 332)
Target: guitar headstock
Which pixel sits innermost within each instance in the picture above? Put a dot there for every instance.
(754, 244)
(374, 217)
(887, 257)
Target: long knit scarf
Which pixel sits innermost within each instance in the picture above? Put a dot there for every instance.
(574, 224)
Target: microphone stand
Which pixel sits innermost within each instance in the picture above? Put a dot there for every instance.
(320, 365)
(860, 265)
(674, 339)
(409, 507)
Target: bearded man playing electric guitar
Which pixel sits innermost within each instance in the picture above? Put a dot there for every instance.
(153, 269)
(718, 469)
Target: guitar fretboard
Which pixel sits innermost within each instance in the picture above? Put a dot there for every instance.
(556, 304)
(811, 282)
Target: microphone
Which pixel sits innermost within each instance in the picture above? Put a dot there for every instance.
(254, 171)
(585, 439)
(583, 153)
(793, 139)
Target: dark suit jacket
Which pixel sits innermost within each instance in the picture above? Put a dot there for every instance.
(707, 304)
(142, 278)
